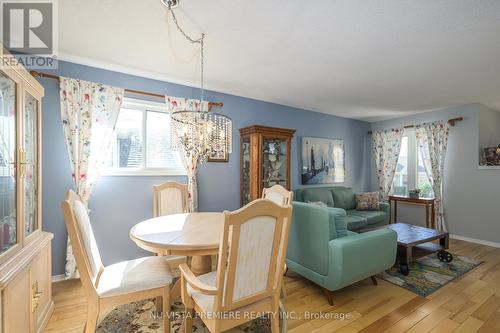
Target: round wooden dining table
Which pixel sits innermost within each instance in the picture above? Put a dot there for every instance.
(195, 235)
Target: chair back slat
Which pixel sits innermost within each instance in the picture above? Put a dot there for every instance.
(169, 198)
(254, 241)
(83, 242)
(278, 194)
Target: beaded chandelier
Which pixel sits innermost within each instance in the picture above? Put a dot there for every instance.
(199, 132)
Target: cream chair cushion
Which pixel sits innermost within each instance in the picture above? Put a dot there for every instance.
(276, 197)
(254, 256)
(206, 302)
(87, 237)
(171, 201)
(134, 275)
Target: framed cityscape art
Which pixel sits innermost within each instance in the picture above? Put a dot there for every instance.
(323, 161)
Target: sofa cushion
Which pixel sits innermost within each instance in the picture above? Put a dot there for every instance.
(344, 198)
(318, 194)
(371, 216)
(354, 222)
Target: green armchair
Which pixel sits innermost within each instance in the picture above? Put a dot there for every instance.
(317, 252)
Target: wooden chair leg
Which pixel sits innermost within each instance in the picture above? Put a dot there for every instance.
(328, 295)
(159, 304)
(283, 291)
(187, 323)
(275, 319)
(166, 309)
(374, 280)
(92, 318)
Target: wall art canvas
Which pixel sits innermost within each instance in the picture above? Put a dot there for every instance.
(323, 161)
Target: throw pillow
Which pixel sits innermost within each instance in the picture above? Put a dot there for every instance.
(367, 201)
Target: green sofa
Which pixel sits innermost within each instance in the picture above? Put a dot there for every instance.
(318, 253)
(344, 198)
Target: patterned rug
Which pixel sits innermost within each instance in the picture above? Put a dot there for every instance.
(139, 317)
(428, 274)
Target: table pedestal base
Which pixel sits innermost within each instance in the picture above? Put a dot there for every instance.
(201, 265)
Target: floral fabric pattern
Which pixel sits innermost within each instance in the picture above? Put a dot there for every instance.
(88, 112)
(386, 148)
(432, 139)
(190, 161)
(367, 201)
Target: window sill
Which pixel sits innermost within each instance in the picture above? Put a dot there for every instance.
(144, 172)
(488, 167)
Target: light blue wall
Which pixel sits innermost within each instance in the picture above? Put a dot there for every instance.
(119, 202)
(471, 196)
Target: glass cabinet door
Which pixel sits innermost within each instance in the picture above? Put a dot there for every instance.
(245, 170)
(29, 157)
(8, 221)
(274, 162)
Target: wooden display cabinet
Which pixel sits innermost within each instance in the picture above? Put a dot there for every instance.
(264, 159)
(25, 257)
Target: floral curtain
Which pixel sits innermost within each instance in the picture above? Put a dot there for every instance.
(432, 140)
(386, 147)
(189, 160)
(88, 112)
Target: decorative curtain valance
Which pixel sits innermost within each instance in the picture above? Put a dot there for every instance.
(180, 104)
(89, 112)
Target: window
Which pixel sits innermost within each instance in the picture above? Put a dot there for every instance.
(410, 170)
(141, 142)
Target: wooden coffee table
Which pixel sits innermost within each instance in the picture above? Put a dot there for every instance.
(415, 242)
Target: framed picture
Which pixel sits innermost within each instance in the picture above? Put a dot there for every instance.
(491, 156)
(323, 161)
(218, 156)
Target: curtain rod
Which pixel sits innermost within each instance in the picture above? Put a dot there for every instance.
(132, 91)
(451, 121)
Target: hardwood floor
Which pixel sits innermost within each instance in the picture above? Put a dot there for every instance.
(468, 304)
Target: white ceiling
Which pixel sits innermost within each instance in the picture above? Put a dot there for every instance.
(363, 59)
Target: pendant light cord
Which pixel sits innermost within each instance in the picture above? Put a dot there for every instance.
(200, 41)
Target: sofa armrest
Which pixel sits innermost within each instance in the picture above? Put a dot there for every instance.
(386, 208)
(359, 256)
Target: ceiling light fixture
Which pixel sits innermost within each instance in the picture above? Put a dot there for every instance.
(198, 133)
(170, 3)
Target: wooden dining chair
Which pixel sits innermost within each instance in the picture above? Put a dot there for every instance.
(278, 194)
(248, 279)
(282, 197)
(120, 283)
(170, 198)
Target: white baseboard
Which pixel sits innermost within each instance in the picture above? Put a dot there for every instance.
(474, 240)
(57, 278)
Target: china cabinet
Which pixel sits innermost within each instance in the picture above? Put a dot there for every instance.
(265, 159)
(25, 257)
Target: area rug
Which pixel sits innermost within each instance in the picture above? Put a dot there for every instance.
(138, 318)
(428, 274)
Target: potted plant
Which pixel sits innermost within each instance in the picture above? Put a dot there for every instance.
(415, 193)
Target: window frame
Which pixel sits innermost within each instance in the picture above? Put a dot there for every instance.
(412, 161)
(144, 106)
